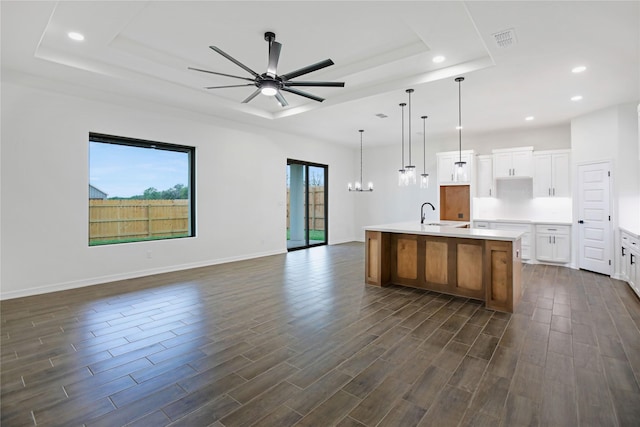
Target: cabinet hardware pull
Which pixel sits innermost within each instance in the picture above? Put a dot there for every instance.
(554, 191)
(549, 239)
(623, 248)
(552, 229)
(549, 191)
(554, 240)
(632, 260)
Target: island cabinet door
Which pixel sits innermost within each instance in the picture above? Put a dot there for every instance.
(469, 268)
(438, 263)
(502, 275)
(377, 254)
(404, 259)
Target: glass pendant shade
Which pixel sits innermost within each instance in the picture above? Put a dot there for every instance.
(411, 174)
(424, 180)
(403, 179)
(460, 174)
(358, 185)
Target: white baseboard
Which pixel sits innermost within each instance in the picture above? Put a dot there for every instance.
(63, 286)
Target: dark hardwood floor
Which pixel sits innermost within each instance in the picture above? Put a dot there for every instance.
(300, 339)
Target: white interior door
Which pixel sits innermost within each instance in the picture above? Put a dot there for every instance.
(594, 219)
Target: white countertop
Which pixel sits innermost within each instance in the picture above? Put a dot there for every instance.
(446, 229)
(630, 231)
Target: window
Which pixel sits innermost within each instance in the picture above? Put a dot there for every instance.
(139, 190)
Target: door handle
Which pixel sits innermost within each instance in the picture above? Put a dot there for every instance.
(580, 221)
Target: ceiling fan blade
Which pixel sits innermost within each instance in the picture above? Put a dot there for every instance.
(250, 97)
(222, 87)
(308, 69)
(305, 94)
(316, 84)
(274, 56)
(235, 61)
(283, 102)
(220, 74)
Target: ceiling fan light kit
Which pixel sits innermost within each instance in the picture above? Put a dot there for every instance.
(270, 83)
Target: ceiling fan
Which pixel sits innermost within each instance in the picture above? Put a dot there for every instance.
(270, 83)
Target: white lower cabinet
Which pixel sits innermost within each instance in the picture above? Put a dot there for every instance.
(553, 243)
(630, 260)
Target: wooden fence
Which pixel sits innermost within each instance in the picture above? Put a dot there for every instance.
(131, 220)
(316, 208)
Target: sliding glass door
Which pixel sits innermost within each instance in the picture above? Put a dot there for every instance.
(306, 204)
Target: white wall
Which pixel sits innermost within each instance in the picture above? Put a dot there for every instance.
(390, 203)
(45, 179)
(611, 134)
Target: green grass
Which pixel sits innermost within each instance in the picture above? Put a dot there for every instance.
(133, 239)
(313, 235)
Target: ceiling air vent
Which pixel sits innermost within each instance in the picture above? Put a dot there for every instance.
(505, 38)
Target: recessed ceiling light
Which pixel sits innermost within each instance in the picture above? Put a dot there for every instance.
(529, 118)
(438, 59)
(576, 98)
(578, 69)
(75, 36)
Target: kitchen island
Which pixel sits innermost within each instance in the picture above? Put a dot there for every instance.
(447, 257)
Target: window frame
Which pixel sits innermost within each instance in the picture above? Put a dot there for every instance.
(143, 143)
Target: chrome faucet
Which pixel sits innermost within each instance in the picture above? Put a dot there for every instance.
(422, 211)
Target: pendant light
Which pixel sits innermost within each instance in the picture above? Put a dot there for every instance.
(402, 172)
(410, 168)
(460, 174)
(424, 176)
(358, 184)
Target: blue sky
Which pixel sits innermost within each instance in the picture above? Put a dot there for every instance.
(123, 171)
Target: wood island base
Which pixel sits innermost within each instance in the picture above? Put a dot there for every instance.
(483, 269)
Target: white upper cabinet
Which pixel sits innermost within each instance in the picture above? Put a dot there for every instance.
(484, 179)
(447, 168)
(551, 170)
(513, 163)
